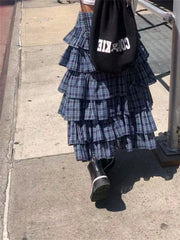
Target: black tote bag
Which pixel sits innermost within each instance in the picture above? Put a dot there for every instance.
(113, 37)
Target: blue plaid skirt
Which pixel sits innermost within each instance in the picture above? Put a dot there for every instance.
(104, 111)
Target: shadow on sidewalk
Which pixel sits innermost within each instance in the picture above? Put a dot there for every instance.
(7, 2)
(129, 169)
(163, 4)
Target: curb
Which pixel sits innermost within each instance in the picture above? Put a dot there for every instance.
(8, 115)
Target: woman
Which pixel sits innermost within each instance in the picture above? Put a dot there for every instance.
(104, 111)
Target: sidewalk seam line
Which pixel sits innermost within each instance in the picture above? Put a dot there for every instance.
(45, 156)
(6, 208)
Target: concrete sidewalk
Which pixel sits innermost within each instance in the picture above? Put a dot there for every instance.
(47, 194)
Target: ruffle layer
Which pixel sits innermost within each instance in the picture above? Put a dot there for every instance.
(78, 37)
(137, 101)
(98, 86)
(101, 150)
(85, 152)
(100, 131)
(78, 59)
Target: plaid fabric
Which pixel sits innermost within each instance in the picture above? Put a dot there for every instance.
(108, 130)
(79, 36)
(78, 110)
(98, 86)
(104, 110)
(84, 152)
(78, 59)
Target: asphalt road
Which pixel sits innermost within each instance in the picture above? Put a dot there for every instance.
(6, 24)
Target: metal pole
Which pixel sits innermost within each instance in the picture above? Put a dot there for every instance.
(173, 142)
(166, 16)
(171, 145)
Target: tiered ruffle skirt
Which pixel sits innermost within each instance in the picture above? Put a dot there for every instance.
(104, 111)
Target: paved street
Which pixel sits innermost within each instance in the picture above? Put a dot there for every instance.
(6, 24)
(47, 195)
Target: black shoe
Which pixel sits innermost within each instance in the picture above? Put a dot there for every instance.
(100, 182)
(107, 163)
